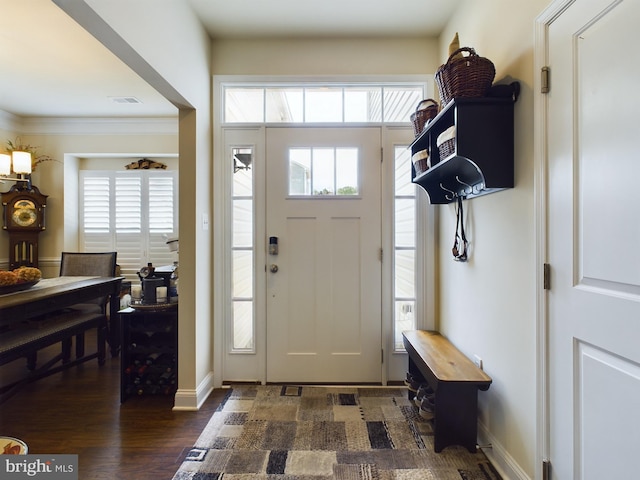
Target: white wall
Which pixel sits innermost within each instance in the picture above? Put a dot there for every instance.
(169, 48)
(488, 305)
(325, 57)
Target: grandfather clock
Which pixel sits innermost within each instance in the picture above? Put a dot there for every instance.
(23, 218)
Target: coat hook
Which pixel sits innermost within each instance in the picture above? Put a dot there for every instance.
(453, 194)
(466, 185)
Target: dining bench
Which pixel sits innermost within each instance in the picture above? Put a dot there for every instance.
(455, 379)
(25, 339)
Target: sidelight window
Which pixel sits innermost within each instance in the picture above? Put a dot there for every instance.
(242, 250)
(404, 247)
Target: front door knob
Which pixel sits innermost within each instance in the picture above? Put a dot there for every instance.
(273, 268)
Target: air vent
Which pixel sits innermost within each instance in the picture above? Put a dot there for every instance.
(124, 100)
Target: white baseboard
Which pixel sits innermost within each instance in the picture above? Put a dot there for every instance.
(191, 400)
(499, 457)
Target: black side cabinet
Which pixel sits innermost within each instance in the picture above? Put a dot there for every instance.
(149, 359)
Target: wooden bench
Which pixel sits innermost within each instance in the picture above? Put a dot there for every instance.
(455, 380)
(24, 340)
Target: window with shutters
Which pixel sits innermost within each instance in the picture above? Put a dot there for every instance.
(130, 212)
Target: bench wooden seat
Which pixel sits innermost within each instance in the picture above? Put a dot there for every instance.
(26, 339)
(455, 380)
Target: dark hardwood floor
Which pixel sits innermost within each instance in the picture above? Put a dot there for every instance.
(78, 411)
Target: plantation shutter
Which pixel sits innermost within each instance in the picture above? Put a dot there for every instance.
(162, 215)
(129, 234)
(130, 212)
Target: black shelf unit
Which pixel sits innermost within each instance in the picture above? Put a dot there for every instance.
(483, 158)
(149, 354)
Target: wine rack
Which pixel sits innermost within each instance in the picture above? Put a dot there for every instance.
(149, 362)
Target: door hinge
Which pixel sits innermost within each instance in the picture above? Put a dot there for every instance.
(381, 154)
(545, 81)
(382, 356)
(546, 271)
(546, 470)
(380, 254)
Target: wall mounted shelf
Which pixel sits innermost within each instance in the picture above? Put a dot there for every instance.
(483, 158)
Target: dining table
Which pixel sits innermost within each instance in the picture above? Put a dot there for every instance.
(52, 294)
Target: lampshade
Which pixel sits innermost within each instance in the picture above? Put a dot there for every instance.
(21, 162)
(5, 164)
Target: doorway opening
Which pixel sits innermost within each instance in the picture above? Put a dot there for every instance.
(268, 180)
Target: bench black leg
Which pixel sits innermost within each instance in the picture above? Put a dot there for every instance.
(80, 345)
(66, 350)
(102, 348)
(456, 416)
(32, 360)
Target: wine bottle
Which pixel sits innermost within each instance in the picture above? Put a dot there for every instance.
(165, 360)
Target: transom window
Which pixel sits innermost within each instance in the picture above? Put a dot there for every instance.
(321, 103)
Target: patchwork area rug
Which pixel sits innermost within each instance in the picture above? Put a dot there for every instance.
(313, 433)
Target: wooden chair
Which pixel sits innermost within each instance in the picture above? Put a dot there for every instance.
(89, 264)
(80, 264)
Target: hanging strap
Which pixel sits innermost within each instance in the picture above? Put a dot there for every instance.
(460, 243)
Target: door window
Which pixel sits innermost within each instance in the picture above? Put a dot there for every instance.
(323, 171)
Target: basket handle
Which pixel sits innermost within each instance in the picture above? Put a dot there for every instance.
(469, 50)
(433, 104)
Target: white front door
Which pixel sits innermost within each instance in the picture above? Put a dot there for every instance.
(324, 301)
(594, 233)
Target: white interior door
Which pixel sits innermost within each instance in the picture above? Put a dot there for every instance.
(324, 301)
(594, 233)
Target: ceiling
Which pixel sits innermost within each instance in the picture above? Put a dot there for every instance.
(50, 66)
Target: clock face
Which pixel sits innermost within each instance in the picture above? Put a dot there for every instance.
(24, 213)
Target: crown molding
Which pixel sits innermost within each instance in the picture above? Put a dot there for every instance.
(10, 122)
(89, 125)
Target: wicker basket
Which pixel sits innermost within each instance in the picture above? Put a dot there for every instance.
(446, 142)
(464, 77)
(425, 111)
(447, 148)
(420, 161)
